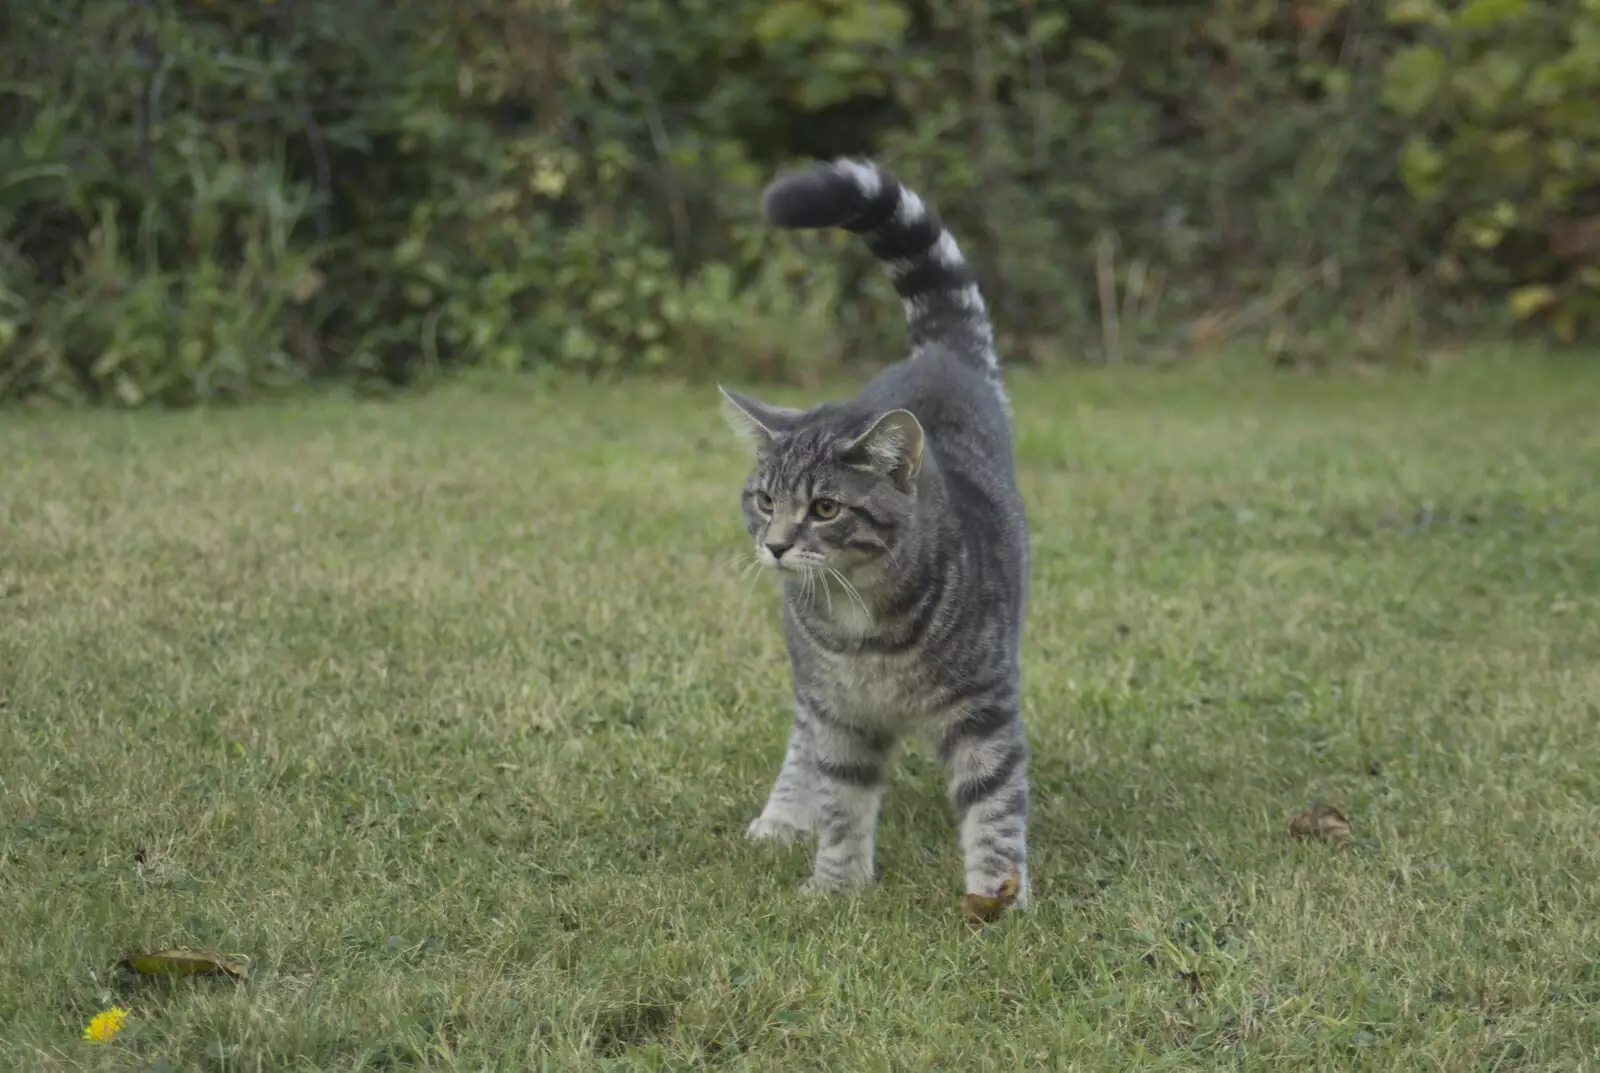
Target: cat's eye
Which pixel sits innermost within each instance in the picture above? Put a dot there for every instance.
(825, 508)
(763, 503)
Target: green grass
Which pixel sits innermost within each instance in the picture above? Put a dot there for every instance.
(448, 715)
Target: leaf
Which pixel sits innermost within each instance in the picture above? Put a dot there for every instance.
(1043, 29)
(1548, 83)
(172, 963)
(1565, 324)
(985, 909)
(1485, 236)
(1412, 80)
(1323, 821)
(1563, 154)
(1421, 167)
(789, 21)
(1416, 12)
(1480, 13)
(868, 23)
(1526, 301)
(1489, 81)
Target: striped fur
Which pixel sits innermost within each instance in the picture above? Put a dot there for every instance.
(895, 524)
(936, 285)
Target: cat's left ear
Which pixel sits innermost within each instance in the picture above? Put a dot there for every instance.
(757, 423)
(892, 447)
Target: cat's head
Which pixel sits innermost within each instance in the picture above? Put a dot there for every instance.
(832, 487)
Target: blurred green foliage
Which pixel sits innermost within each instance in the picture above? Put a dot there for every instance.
(203, 200)
(1503, 155)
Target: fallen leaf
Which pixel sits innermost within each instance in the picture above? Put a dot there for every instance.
(183, 963)
(986, 909)
(1323, 821)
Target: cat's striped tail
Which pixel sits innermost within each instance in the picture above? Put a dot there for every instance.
(936, 284)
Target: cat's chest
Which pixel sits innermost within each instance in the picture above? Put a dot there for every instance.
(860, 675)
(871, 689)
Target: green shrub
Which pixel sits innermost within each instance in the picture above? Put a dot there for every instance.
(204, 201)
(1503, 101)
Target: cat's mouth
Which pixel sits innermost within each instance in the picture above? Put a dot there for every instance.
(793, 561)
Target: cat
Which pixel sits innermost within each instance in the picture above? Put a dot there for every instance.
(896, 526)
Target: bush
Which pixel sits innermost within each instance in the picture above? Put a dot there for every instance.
(1503, 101)
(202, 201)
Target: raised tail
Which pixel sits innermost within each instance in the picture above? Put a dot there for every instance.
(936, 285)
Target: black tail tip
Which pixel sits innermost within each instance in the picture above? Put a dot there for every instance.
(828, 195)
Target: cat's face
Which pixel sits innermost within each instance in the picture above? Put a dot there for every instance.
(825, 494)
(805, 508)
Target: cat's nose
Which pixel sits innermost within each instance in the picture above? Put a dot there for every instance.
(777, 550)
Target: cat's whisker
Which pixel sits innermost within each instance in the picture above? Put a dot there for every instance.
(853, 592)
(727, 565)
(750, 577)
(745, 569)
(744, 574)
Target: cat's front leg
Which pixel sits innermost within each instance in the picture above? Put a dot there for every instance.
(791, 809)
(986, 758)
(848, 766)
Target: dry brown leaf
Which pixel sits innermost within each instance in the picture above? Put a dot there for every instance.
(984, 909)
(1323, 821)
(183, 963)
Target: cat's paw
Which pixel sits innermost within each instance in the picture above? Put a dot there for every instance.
(818, 887)
(815, 888)
(977, 908)
(766, 828)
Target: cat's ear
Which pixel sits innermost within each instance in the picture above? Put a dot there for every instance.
(892, 447)
(757, 423)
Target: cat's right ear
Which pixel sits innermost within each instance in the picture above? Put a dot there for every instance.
(758, 424)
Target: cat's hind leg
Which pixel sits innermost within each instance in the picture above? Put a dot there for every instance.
(986, 759)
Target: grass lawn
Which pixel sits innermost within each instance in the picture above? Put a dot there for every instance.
(448, 713)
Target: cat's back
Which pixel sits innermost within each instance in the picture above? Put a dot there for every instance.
(958, 406)
(967, 422)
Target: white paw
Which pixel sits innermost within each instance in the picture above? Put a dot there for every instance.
(817, 887)
(766, 828)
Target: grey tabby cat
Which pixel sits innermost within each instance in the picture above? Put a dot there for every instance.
(895, 522)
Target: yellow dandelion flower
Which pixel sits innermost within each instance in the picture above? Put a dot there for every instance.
(106, 1025)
